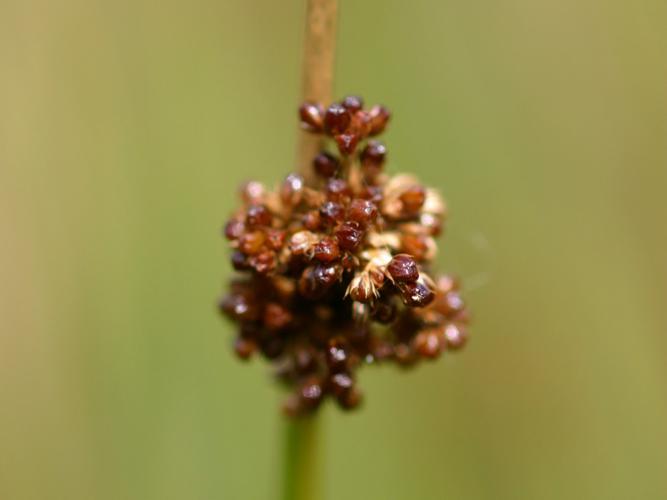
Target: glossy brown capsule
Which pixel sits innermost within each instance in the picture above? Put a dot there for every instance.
(312, 117)
(336, 119)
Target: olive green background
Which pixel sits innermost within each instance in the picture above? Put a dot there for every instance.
(125, 126)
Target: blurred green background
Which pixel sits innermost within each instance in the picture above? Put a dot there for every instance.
(124, 126)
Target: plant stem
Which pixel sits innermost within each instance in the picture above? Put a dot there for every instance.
(319, 47)
(301, 471)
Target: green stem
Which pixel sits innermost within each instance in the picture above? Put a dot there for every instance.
(301, 467)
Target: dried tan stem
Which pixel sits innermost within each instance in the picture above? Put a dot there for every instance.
(319, 47)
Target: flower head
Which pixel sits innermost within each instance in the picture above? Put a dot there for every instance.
(337, 274)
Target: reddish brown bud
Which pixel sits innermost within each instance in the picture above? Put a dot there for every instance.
(338, 190)
(416, 294)
(312, 220)
(353, 103)
(325, 164)
(428, 343)
(379, 118)
(455, 336)
(276, 317)
(336, 119)
(403, 268)
(291, 191)
(362, 211)
(244, 348)
(332, 212)
(234, 229)
(327, 250)
(413, 199)
(251, 243)
(258, 215)
(336, 354)
(349, 235)
(347, 143)
(373, 155)
(311, 115)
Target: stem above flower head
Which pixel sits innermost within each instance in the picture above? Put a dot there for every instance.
(319, 46)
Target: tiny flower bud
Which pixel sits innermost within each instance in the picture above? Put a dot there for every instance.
(336, 119)
(311, 115)
(403, 268)
(326, 164)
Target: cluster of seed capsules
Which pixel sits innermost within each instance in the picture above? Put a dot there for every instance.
(335, 274)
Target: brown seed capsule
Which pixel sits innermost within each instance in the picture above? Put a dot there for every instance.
(347, 143)
(353, 103)
(276, 317)
(291, 191)
(312, 220)
(413, 199)
(258, 215)
(240, 307)
(239, 261)
(349, 261)
(379, 118)
(336, 119)
(315, 281)
(373, 155)
(336, 354)
(384, 312)
(253, 192)
(455, 336)
(326, 164)
(338, 190)
(349, 235)
(416, 294)
(275, 238)
(340, 383)
(332, 212)
(428, 344)
(251, 243)
(415, 245)
(350, 399)
(403, 268)
(312, 116)
(244, 348)
(311, 393)
(362, 211)
(451, 304)
(326, 250)
(234, 229)
(264, 262)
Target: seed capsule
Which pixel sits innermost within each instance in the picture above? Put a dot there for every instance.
(403, 268)
(326, 250)
(244, 348)
(234, 229)
(349, 235)
(455, 336)
(379, 118)
(347, 143)
(332, 212)
(413, 199)
(340, 383)
(353, 103)
(373, 155)
(276, 317)
(338, 190)
(336, 354)
(251, 243)
(362, 211)
(326, 164)
(428, 344)
(416, 294)
(336, 119)
(311, 115)
(291, 191)
(312, 220)
(258, 215)
(350, 400)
